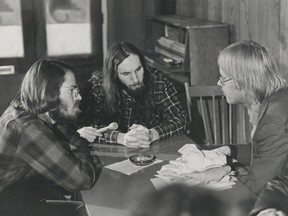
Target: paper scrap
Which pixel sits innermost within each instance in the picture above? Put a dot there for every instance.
(129, 168)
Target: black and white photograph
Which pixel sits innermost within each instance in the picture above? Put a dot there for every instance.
(143, 107)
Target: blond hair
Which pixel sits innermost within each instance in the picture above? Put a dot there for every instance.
(252, 68)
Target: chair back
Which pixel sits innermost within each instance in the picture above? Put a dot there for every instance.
(219, 119)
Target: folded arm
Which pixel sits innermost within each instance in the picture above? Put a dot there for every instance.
(53, 159)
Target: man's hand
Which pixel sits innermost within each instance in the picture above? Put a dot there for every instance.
(138, 136)
(152, 133)
(136, 139)
(140, 129)
(90, 133)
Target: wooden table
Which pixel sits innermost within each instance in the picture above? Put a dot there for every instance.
(114, 192)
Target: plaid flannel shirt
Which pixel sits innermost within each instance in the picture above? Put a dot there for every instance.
(168, 118)
(31, 148)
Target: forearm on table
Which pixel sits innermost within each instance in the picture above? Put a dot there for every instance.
(71, 173)
(153, 134)
(112, 137)
(241, 152)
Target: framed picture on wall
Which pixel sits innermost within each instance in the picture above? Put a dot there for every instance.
(68, 27)
(70, 30)
(11, 31)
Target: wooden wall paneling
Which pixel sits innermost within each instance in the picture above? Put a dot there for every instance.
(127, 18)
(242, 27)
(264, 23)
(164, 7)
(230, 14)
(149, 8)
(201, 8)
(187, 8)
(283, 38)
(205, 44)
(110, 22)
(214, 10)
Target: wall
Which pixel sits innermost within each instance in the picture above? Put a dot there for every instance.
(126, 19)
(265, 21)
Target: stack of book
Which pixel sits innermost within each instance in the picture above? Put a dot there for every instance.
(170, 48)
(172, 44)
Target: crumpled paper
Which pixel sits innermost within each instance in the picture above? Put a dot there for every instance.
(195, 166)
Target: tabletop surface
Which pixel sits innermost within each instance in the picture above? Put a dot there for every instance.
(114, 192)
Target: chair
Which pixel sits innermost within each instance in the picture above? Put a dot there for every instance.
(219, 118)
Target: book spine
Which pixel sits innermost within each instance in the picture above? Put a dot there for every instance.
(168, 54)
(173, 45)
(173, 51)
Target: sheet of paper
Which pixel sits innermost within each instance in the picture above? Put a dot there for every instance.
(105, 211)
(129, 168)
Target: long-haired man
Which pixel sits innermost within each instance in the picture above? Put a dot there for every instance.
(139, 98)
(37, 162)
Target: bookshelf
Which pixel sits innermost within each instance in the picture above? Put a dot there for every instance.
(185, 48)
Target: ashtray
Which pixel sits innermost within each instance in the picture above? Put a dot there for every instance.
(142, 159)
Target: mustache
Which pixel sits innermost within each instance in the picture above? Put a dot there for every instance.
(137, 84)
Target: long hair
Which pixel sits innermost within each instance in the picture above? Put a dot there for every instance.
(40, 88)
(252, 68)
(115, 56)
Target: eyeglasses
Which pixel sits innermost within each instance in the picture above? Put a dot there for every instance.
(75, 91)
(223, 81)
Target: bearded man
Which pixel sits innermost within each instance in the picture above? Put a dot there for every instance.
(37, 162)
(139, 98)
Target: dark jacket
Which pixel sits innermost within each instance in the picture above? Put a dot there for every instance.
(270, 143)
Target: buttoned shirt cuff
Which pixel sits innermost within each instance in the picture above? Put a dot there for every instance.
(111, 137)
(159, 131)
(242, 153)
(154, 134)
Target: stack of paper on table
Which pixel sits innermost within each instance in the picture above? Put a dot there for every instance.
(190, 166)
(128, 168)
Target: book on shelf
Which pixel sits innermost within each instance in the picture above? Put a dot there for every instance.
(169, 54)
(175, 33)
(175, 46)
(169, 49)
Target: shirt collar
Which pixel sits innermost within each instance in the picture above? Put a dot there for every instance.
(253, 112)
(127, 96)
(45, 117)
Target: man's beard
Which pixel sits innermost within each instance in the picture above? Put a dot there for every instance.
(137, 92)
(62, 116)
